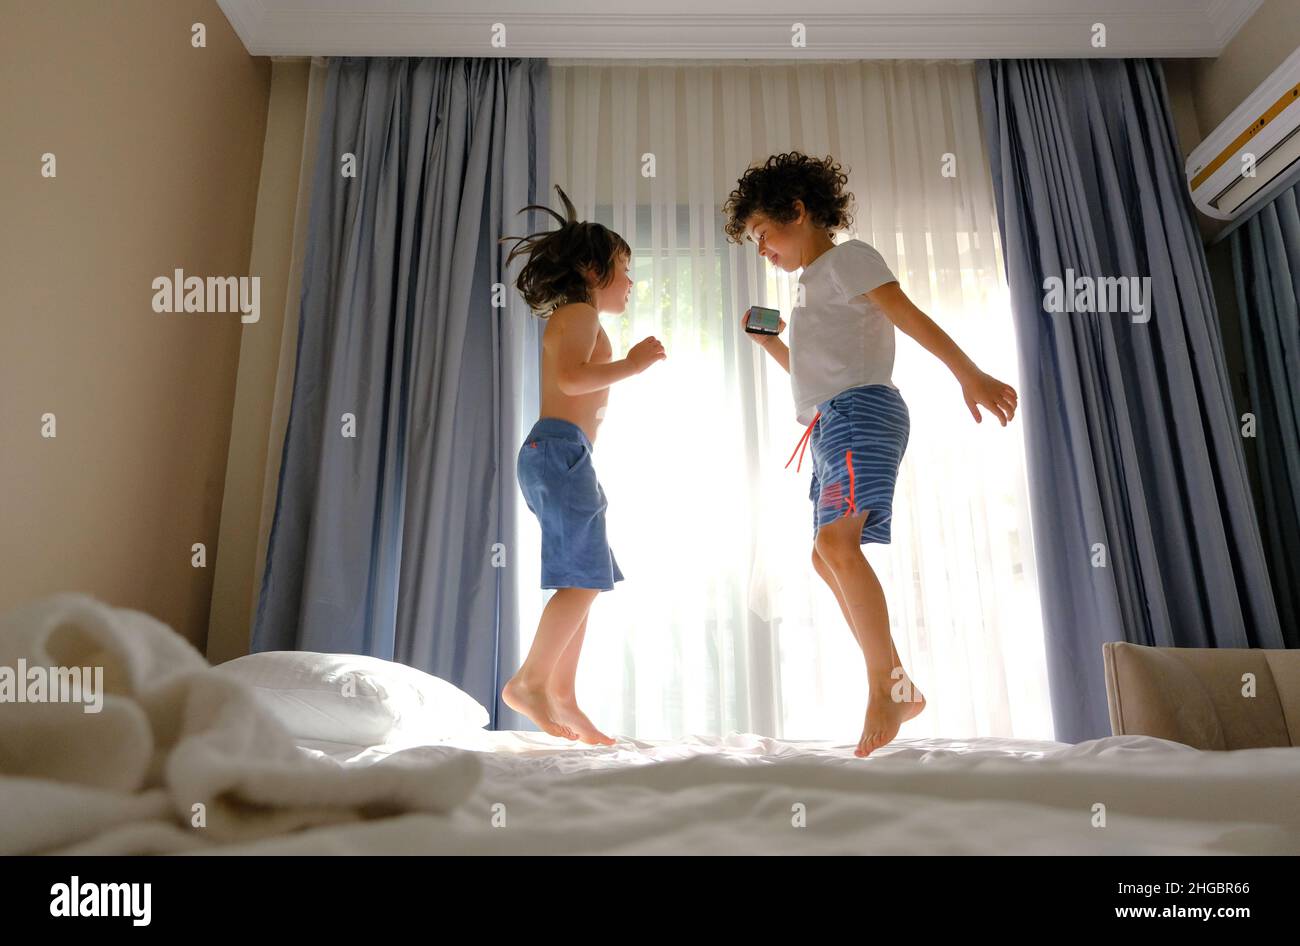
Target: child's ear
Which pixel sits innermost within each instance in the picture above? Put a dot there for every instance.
(800, 211)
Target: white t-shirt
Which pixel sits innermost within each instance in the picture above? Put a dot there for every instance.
(836, 343)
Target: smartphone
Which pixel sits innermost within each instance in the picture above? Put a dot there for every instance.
(763, 321)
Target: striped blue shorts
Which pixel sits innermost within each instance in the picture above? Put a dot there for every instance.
(857, 445)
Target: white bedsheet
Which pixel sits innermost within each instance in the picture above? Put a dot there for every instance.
(916, 796)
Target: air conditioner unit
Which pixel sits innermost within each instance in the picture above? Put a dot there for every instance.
(1231, 170)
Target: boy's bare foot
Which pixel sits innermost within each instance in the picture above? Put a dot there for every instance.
(536, 705)
(888, 707)
(568, 714)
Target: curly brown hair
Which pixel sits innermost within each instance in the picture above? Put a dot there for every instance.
(771, 188)
(558, 260)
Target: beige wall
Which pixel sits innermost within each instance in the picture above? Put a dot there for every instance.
(1182, 102)
(158, 147)
(1267, 38)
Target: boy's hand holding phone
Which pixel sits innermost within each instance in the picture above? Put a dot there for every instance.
(765, 326)
(762, 324)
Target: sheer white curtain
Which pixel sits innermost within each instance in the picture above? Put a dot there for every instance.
(722, 624)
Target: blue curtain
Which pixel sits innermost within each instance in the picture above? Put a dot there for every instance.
(1131, 435)
(396, 510)
(1266, 269)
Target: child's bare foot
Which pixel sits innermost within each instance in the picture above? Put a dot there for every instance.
(567, 713)
(536, 705)
(888, 707)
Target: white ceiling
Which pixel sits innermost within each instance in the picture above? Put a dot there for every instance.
(740, 29)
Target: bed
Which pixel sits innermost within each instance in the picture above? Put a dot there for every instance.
(745, 793)
(291, 770)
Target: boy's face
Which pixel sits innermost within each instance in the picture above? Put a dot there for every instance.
(778, 243)
(613, 296)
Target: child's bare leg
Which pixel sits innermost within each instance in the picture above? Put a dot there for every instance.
(561, 687)
(824, 571)
(562, 682)
(863, 600)
(526, 691)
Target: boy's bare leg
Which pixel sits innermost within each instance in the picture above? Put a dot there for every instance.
(824, 570)
(526, 691)
(863, 600)
(561, 688)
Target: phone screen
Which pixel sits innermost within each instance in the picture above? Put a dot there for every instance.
(763, 320)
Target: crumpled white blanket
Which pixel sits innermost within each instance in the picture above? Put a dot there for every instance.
(178, 757)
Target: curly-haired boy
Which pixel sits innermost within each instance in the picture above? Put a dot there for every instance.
(840, 360)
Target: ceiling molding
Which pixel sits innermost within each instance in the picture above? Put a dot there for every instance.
(836, 29)
(1228, 16)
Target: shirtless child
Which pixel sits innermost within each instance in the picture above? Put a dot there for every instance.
(571, 276)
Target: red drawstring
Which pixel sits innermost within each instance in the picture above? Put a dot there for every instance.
(802, 445)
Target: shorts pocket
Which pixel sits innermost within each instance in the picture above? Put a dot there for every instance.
(841, 405)
(567, 454)
(839, 410)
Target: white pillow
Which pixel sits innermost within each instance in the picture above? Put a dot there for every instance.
(390, 702)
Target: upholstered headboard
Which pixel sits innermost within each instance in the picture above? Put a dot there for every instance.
(1201, 696)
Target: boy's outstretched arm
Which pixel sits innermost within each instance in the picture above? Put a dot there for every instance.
(579, 326)
(976, 386)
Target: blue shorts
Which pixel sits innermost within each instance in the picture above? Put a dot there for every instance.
(857, 445)
(560, 487)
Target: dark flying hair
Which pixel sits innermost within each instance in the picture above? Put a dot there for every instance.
(558, 259)
(771, 188)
